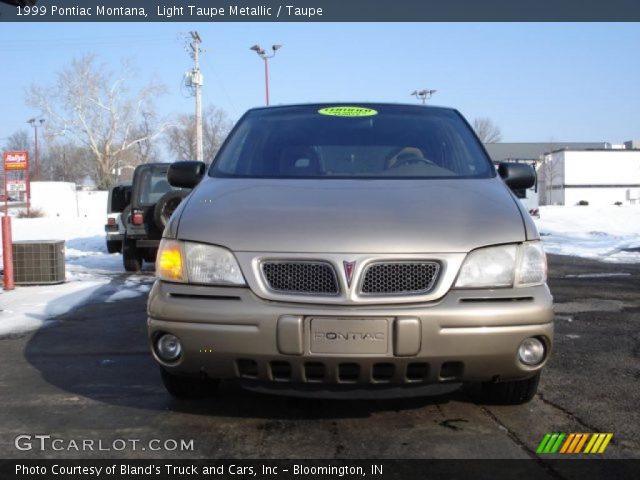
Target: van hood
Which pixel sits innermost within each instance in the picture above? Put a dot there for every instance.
(351, 216)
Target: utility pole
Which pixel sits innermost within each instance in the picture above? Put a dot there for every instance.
(34, 124)
(196, 81)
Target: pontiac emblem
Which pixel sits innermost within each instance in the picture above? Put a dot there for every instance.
(348, 270)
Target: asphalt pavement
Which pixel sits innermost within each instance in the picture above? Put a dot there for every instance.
(90, 376)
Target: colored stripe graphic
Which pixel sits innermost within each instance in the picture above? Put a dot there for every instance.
(605, 442)
(551, 443)
(543, 443)
(556, 446)
(574, 443)
(582, 442)
(568, 442)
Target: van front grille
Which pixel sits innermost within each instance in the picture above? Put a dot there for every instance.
(400, 278)
(300, 277)
(354, 372)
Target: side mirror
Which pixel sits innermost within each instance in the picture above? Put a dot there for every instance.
(185, 174)
(517, 176)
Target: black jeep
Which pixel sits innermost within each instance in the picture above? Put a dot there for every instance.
(153, 201)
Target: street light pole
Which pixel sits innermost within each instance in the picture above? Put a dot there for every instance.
(266, 80)
(423, 94)
(34, 124)
(263, 55)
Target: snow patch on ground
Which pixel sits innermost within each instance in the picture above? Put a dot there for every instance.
(133, 287)
(78, 218)
(605, 233)
(29, 308)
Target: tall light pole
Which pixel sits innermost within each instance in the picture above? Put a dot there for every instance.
(35, 123)
(423, 94)
(263, 55)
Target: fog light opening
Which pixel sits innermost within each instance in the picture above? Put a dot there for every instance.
(168, 347)
(531, 351)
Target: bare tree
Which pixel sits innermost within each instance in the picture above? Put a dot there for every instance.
(19, 140)
(549, 174)
(65, 162)
(487, 131)
(146, 150)
(181, 138)
(94, 108)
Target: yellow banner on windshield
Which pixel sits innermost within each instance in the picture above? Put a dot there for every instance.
(348, 111)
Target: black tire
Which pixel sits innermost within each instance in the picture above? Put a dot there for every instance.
(150, 255)
(131, 257)
(114, 246)
(166, 206)
(514, 392)
(188, 387)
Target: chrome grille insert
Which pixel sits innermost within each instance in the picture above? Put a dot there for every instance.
(300, 277)
(399, 278)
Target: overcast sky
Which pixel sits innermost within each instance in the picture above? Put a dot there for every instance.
(538, 82)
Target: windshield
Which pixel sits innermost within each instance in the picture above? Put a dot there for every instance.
(152, 185)
(373, 141)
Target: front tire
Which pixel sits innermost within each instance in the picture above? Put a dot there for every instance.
(514, 392)
(188, 387)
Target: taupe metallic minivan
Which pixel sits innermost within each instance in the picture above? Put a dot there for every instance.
(350, 245)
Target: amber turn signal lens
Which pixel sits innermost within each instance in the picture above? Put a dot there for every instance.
(169, 264)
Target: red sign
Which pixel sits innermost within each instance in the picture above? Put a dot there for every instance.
(16, 161)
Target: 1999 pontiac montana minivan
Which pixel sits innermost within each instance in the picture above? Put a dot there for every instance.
(352, 244)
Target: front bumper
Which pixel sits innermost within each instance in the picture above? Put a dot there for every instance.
(468, 335)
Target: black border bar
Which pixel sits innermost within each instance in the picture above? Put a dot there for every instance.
(325, 11)
(537, 469)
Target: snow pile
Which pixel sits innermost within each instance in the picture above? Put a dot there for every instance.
(28, 308)
(61, 199)
(78, 218)
(605, 233)
(86, 254)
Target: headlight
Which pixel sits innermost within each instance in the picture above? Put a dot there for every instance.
(488, 267)
(532, 265)
(504, 266)
(188, 262)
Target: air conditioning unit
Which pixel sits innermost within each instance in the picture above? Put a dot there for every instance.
(38, 262)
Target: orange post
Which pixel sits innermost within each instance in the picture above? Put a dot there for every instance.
(7, 252)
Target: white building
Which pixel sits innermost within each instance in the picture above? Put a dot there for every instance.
(599, 177)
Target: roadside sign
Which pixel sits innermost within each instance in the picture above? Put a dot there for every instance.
(16, 161)
(16, 186)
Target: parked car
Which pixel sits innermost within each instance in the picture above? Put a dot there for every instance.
(119, 198)
(152, 203)
(352, 244)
